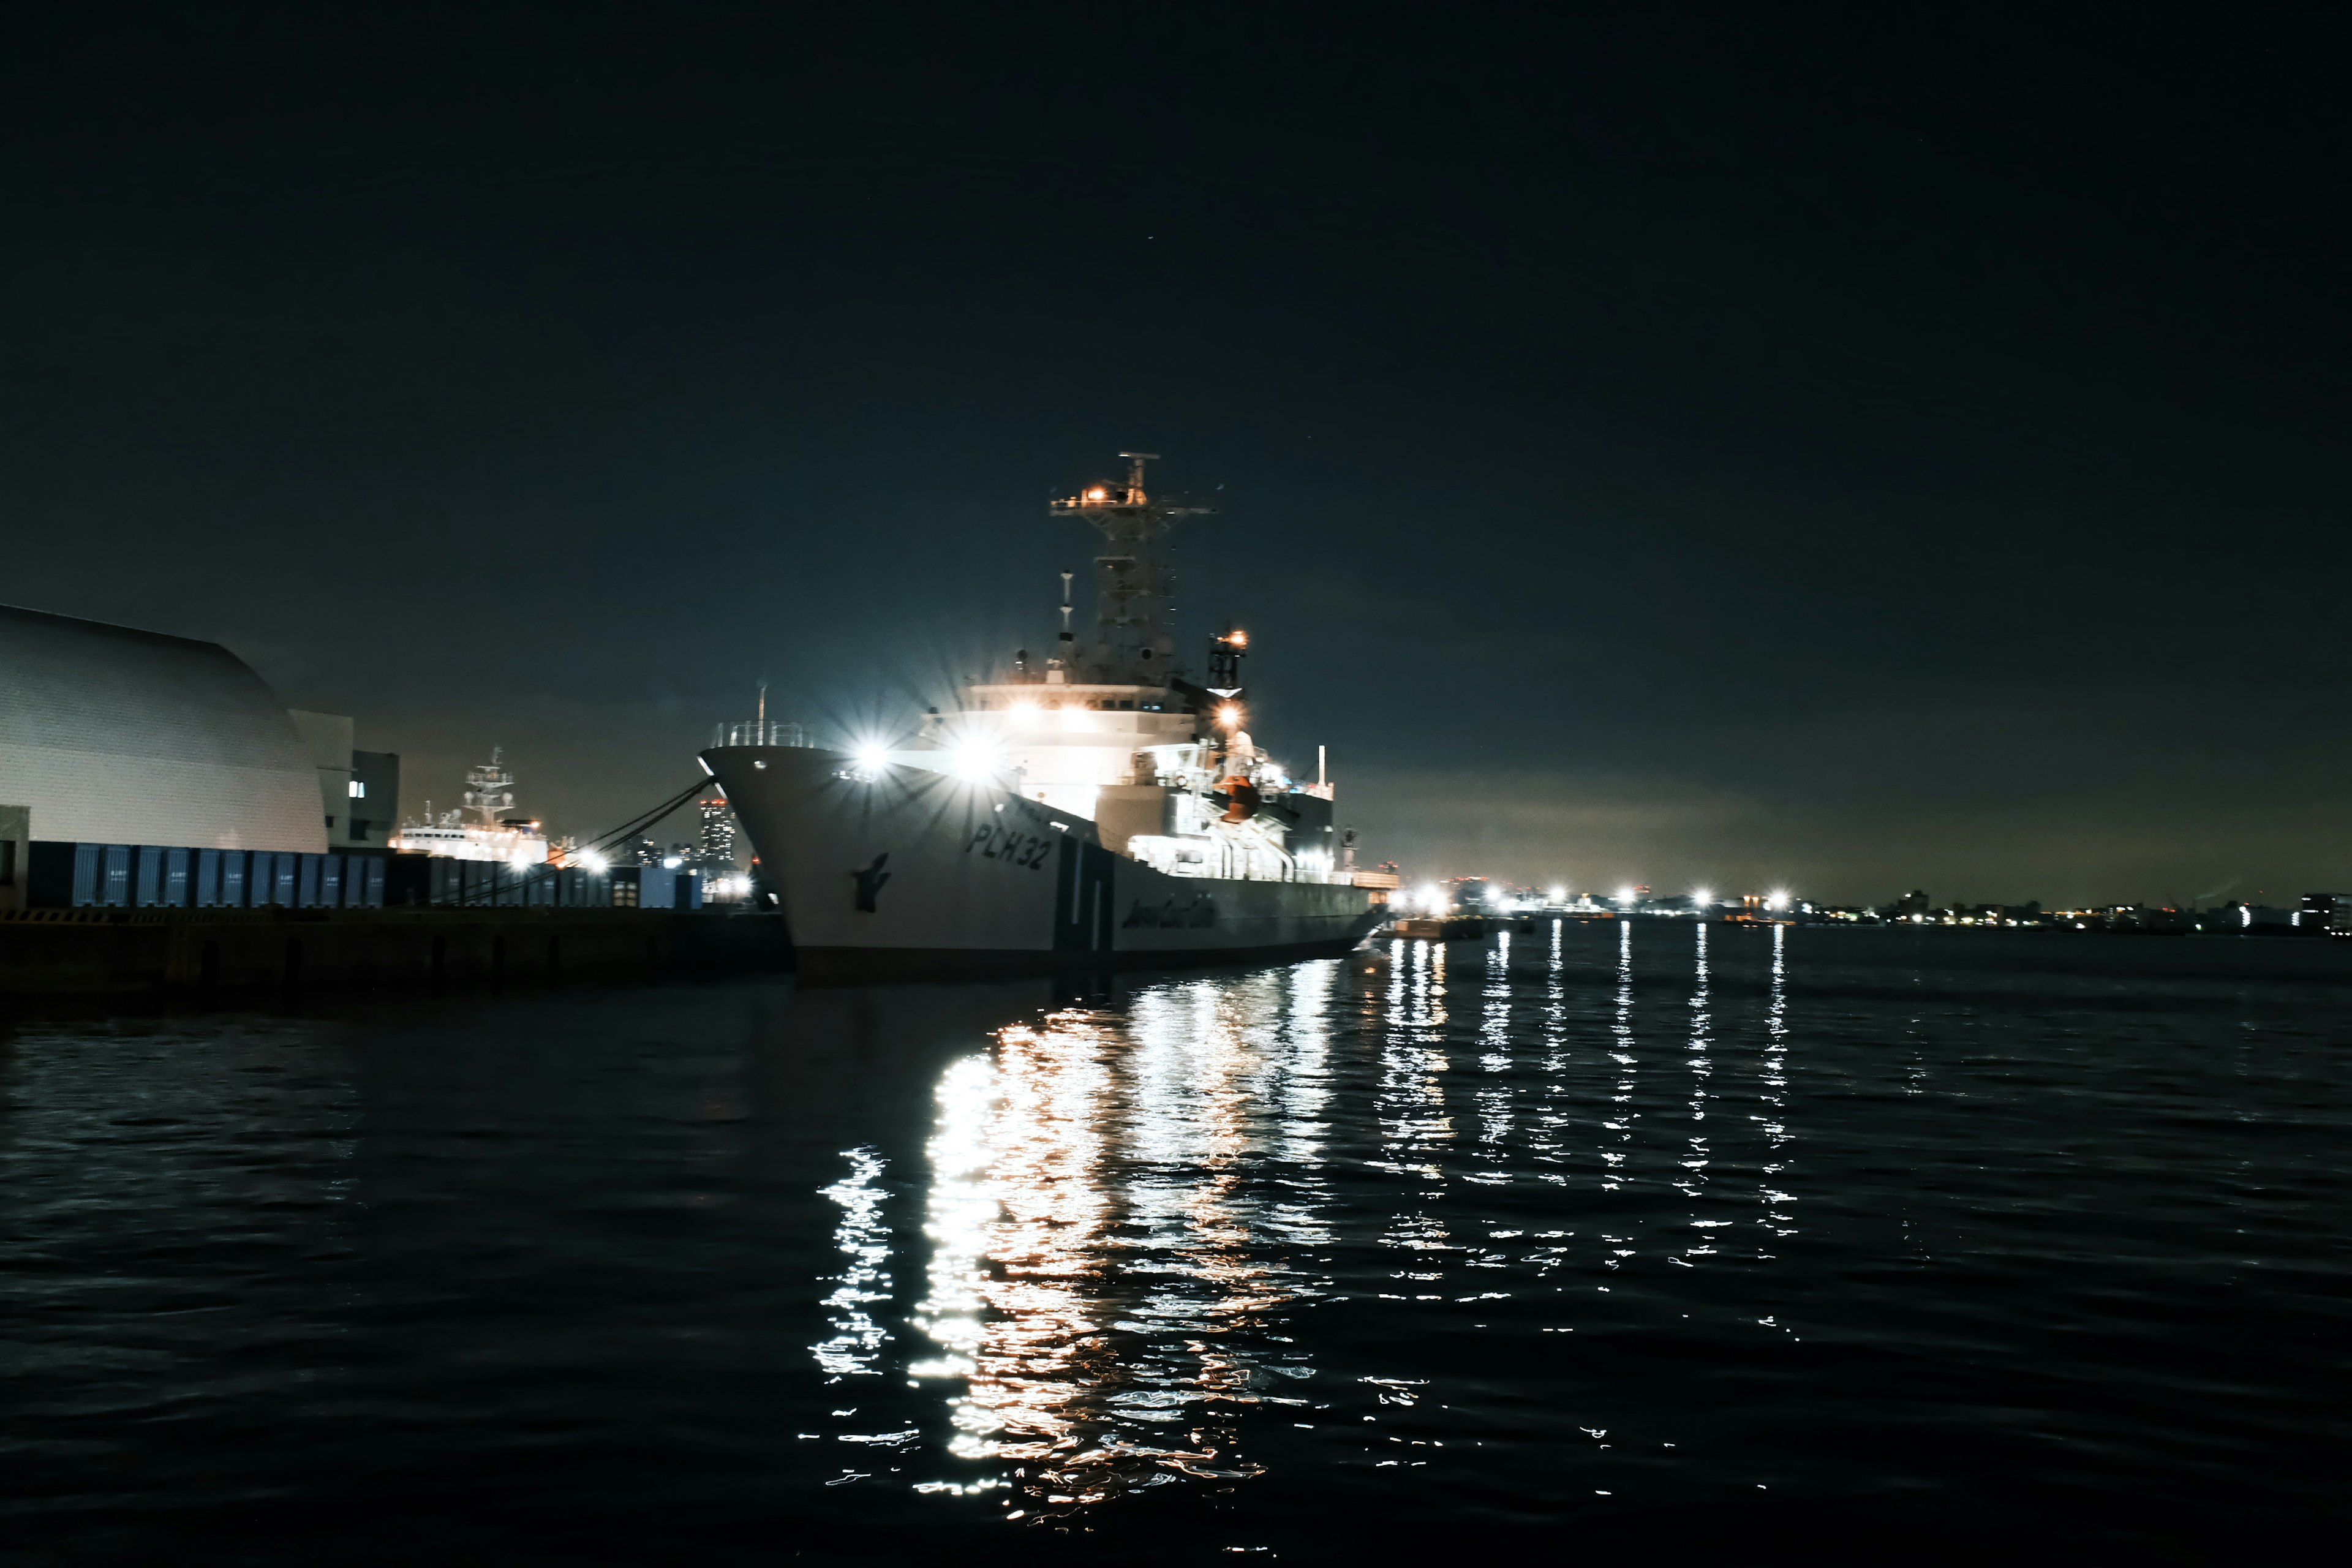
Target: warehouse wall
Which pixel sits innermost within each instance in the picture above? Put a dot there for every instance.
(116, 735)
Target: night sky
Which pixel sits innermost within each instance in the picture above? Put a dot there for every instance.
(1845, 450)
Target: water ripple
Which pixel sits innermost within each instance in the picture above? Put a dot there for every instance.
(1618, 1226)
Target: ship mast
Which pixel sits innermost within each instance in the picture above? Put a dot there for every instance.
(489, 790)
(1135, 586)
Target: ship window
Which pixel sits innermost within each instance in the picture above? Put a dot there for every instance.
(359, 790)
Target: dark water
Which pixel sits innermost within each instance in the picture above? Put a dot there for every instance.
(1788, 1246)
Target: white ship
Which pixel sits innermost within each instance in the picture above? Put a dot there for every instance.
(1093, 806)
(482, 830)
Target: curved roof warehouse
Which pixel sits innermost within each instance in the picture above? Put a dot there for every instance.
(115, 736)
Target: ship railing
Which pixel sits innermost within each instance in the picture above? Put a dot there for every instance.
(1227, 861)
(770, 732)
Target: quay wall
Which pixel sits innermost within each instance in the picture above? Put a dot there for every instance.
(220, 953)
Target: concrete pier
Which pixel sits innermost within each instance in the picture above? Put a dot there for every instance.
(218, 953)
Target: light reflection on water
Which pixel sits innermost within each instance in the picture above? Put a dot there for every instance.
(1586, 1221)
(1125, 1206)
(1097, 1243)
(862, 1238)
(1139, 1218)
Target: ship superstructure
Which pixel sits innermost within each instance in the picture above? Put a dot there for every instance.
(485, 829)
(1110, 729)
(1167, 829)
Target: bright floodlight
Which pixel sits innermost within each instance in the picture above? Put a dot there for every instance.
(1229, 715)
(1433, 898)
(671, 862)
(1559, 895)
(1026, 713)
(975, 761)
(1702, 898)
(870, 756)
(1779, 900)
(1625, 895)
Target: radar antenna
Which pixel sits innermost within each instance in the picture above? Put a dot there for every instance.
(1135, 461)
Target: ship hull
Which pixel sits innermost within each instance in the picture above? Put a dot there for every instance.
(899, 872)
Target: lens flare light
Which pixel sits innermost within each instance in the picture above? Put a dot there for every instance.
(975, 761)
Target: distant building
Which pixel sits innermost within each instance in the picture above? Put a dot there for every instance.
(121, 736)
(716, 848)
(374, 814)
(2237, 918)
(359, 792)
(2329, 912)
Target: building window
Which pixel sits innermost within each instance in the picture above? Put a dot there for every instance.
(359, 790)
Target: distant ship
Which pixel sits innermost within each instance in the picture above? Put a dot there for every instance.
(1093, 806)
(482, 829)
